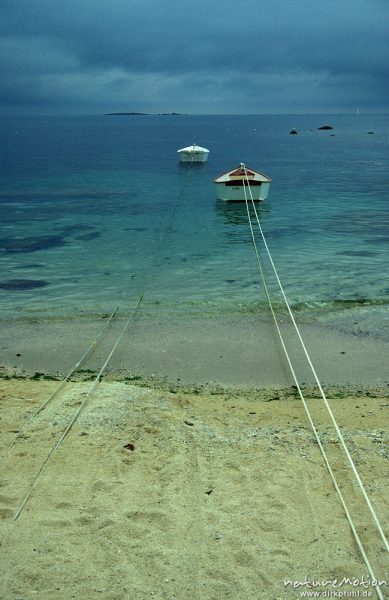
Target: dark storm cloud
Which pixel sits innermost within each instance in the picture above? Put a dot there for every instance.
(223, 56)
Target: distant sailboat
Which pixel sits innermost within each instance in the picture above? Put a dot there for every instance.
(358, 110)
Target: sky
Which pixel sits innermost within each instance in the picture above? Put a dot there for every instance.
(194, 56)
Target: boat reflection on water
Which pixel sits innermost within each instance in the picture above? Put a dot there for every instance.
(236, 212)
(233, 218)
(193, 165)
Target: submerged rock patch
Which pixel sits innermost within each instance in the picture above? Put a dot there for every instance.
(76, 228)
(366, 253)
(88, 236)
(30, 266)
(22, 284)
(31, 244)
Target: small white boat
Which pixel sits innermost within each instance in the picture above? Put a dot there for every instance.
(231, 186)
(193, 154)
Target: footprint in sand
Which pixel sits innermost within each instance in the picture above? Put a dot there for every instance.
(103, 524)
(155, 518)
(269, 521)
(101, 486)
(6, 511)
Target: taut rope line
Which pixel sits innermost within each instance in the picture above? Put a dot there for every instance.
(327, 463)
(339, 433)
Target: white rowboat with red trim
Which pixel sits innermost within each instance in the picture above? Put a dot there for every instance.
(231, 186)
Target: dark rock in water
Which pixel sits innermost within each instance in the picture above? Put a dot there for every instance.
(29, 266)
(293, 132)
(366, 253)
(69, 229)
(22, 284)
(88, 236)
(326, 127)
(370, 132)
(31, 244)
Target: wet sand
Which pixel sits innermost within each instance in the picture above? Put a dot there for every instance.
(235, 350)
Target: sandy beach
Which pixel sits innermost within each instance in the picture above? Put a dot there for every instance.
(189, 492)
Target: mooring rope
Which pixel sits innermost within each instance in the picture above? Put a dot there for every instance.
(93, 345)
(83, 358)
(91, 348)
(310, 419)
(58, 444)
(75, 416)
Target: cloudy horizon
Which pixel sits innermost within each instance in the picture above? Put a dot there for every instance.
(259, 56)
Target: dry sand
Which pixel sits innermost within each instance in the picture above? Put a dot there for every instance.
(191, 493)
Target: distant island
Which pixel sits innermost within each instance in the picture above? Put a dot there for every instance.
(124, 113)
(140, 113)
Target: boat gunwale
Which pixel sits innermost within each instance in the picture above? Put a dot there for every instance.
(238, 178)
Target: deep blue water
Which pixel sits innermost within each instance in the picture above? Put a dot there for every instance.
(94, 210)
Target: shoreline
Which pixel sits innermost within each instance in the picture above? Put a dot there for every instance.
(163, 384)
(241, 351)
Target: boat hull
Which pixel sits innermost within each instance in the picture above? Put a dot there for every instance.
(194, 157)
(236, 192)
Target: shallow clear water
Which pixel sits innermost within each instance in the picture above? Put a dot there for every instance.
(95, 210)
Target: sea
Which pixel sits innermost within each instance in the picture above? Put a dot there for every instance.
(97, 210)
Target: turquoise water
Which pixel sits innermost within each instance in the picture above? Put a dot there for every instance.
(95, 210)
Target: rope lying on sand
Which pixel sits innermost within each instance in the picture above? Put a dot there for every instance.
(83, 358)
(339, 433)
(146, 285)
(76, 414)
